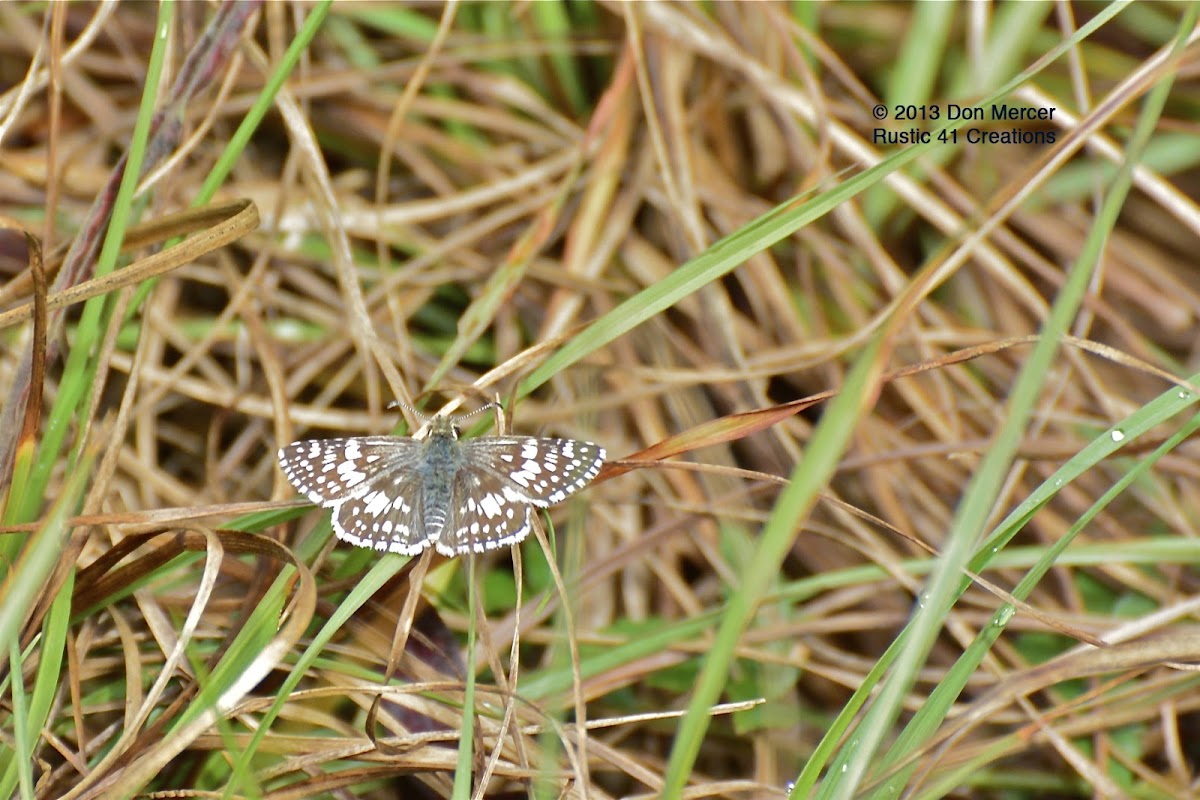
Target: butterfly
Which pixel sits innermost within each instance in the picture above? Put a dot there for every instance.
(402, 494)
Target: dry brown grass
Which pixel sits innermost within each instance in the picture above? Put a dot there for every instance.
(496, 200)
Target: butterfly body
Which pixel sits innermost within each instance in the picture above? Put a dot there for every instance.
(401, 494)
(437, 473)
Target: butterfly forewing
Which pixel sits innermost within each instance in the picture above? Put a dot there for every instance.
(331, 471)
(541, 472)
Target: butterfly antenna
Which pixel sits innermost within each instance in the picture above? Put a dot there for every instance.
(416, 412)
(488, 407)
(426, 419)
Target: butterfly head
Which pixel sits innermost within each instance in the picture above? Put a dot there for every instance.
(443, 426)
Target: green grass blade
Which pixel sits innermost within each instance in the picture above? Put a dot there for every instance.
(979, 499)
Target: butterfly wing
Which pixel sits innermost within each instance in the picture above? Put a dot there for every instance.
(369, 482)
(330, 471)
(534, 470)
(388, 518)
(483, 515)
(501, 477)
